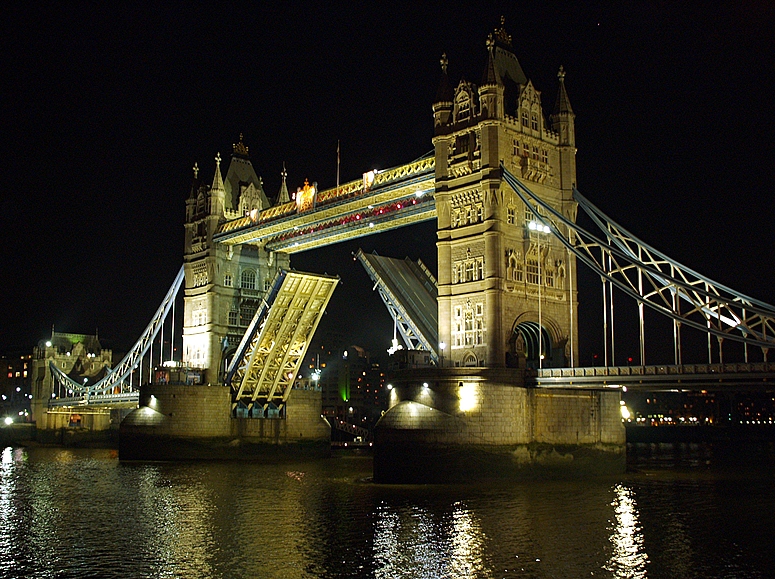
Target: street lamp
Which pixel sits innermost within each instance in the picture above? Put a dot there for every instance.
(442, 345)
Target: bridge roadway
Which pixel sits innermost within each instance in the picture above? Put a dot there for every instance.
(757, 376)
(382, 200)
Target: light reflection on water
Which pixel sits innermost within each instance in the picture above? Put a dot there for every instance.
(80, 513)
(411, 540)
(628, 558)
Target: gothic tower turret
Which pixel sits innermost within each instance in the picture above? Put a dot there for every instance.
(507, 293)
(224, 283)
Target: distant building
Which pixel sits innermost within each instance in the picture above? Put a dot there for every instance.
(354, 388)
(80, 356)
(15, 386)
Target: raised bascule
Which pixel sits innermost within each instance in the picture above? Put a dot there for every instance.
(503, 395)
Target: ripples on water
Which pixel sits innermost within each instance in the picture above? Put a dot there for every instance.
(80, 513)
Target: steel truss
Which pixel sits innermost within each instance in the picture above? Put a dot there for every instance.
(408, 328)
(268, 358)
(116, 377)
(654, 279)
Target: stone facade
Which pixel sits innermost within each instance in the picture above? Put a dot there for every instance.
(500, 278)
(224, 284)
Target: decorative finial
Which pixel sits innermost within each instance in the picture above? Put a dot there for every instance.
(561, 74)
(444, 62)
(196, 170)
(490, 42)
(240, 148)
(218, 160)
(284, 174)
(501, 34)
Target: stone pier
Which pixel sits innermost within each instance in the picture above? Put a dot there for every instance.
(461, 424)
(180, 422)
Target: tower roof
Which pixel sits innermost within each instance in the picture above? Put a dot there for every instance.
(507, 67)
(241, 174)
(562, 105)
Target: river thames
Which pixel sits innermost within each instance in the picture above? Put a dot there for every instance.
(681, 511)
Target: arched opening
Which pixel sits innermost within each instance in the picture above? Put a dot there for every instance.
(533, 344)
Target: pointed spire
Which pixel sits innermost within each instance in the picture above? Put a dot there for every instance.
(194, 183)
(283, 196)
(217, 179)
(562, 105)
(490, 76)
(444, 94)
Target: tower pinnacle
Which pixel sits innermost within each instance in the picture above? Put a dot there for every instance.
(217, 179)
(283, 196)
(563, 103)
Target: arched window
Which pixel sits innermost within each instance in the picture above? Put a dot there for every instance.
(248, 279)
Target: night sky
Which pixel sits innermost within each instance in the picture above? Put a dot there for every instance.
(106, 109)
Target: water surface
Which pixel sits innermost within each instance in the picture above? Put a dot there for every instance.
(686, 511)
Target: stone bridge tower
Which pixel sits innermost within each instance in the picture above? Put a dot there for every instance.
(224, 284)
(507, 290)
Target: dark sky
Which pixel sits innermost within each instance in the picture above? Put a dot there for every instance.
(105, 109)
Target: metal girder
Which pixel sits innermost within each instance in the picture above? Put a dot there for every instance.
(409, 292)
(267, 361)
(117, 376)
(654, 279)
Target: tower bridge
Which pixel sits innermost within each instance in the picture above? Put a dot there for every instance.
(505, 388)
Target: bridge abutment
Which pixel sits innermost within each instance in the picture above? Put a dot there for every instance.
(476, 423)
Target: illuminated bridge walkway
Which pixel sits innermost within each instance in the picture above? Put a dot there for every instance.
(717, 377)
(381, 201)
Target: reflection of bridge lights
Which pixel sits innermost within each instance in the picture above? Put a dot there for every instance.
(629, 557)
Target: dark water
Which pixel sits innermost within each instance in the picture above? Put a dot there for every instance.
(688, 511)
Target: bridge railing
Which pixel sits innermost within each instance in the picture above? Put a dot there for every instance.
(656, 370)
